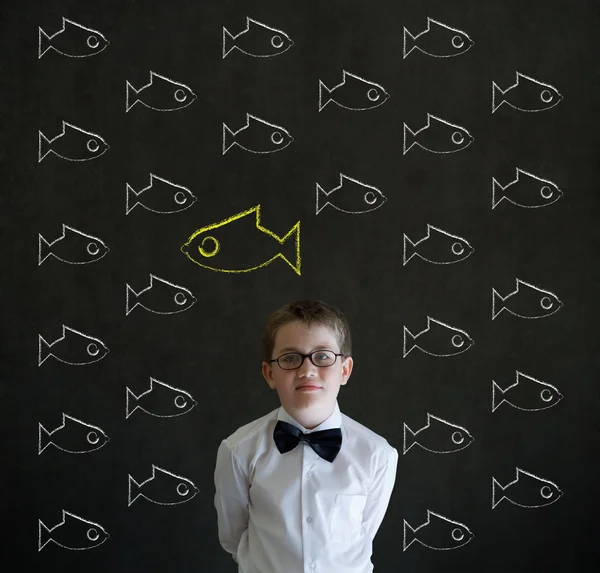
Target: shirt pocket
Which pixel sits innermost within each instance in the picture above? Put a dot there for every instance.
(346, 518)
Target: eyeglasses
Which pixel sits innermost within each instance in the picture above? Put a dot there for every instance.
(293, 360)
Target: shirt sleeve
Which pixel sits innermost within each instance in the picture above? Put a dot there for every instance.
(379, 495)
(231, 499)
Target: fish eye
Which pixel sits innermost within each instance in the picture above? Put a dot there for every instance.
(458, 137)
(458, 438)
(546, 302)
(373, 94)
(93, 437)
(180, 95)
(277, 41)
(180, 298)
(546, 96)
(457, 248)
(546, 192)
(93, 248)
(180, 401)
(93, 145)
(546, 395)
(208, 250)
(277, 137)
(92, 349)
(457, 340)
(183, 489)
(458, 534)
(546, 492)
(93, 42)
(370, 197)
(458, 42)
(180, 197)
(93, 534)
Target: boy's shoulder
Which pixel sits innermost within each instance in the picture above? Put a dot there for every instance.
(253, 428)
(364, 436)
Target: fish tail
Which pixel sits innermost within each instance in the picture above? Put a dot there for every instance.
(134, 491)
(228, 139)
(409, 535)
(408, 337)
(130, 292)
(44, 535)
(295, 244)
(44, 350)
(44, 146)
(43, 250)
(497, 191)
(409, 139)
(496, 300)
(497, 96)
(130, 94)
(323, 91)
(130, 396)
(44, 438)
(44, 43)
(496, 389)
(130, 194)
(409, 42)
(409, 249)
(323, 195)
(409, 439)
(495, 485)
(228, 40)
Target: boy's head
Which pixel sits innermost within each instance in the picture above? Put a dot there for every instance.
(300, 328)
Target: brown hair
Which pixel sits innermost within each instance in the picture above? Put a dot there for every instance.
(306, 311)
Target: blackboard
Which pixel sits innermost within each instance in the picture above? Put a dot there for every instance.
(460, 141)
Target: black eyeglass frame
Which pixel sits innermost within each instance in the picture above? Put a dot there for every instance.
(309, 356)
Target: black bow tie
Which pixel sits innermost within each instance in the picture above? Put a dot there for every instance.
(326, 443)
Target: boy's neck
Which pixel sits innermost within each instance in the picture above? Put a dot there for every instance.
(310, 418)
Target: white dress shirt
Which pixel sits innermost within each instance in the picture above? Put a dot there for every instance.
(296, 512)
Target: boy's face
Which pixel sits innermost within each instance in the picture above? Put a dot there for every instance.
(298, 337)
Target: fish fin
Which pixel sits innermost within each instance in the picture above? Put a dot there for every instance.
(409, 40)
(408, 136)
(497, 189)
(409, 535)
(129, 395)
(44, 350)
(130, 192)
(495, 485)
(408, 336)
(496, 388)
(409, 249)
(295, 244)
(323, 90)
(130, 92)
(128, 306)
(44, 146)
(496, 298)
(44, 249)
(323, 195)
(408, 433)
(228, 139)
(44, 535)
(44, 43)
(227, 39)
(44, 439)
(134, 491)
(497, 93)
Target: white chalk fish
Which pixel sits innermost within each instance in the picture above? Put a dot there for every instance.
(73, 436)
(257, 136)
(73, 247)
(437, 40)
(161, 196)
(437, 136)
(354, 93)
(438, 532)
(73, 144)
(526, 94)
(438, 436)
(160, 94)
(73, 532)
(163, 488)
(161, 297)
(350, 196)
(526, 301)
(526, 190)
(526, 393)
(160, 400)
(438, 247)
(526, 490)
(73, 347)
(258, 40)
(438, 339)
(73, 40)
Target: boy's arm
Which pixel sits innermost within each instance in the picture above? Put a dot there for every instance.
(231, 500)
(379, 495)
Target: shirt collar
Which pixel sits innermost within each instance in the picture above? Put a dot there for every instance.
(334, 421)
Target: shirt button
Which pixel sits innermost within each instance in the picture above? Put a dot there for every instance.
(312, 565)
(309, 519)
(309, 473)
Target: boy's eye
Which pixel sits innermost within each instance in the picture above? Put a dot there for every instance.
(321, 356)
(290, 358)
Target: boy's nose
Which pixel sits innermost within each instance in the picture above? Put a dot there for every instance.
(307, 368)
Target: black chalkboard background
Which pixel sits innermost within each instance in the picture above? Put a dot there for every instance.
(354, 261)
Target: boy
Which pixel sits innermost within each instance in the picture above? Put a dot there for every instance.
(289, 505)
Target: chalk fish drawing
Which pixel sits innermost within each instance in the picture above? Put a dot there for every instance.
(354, 93)
(217, 240)
(437, 40)
(163, 488)
(437, 136)
(73, 144)
(526, 94)
(350, 196)
(438, 532)
(526, 301)
(161, 297)
(73, 436)
(161, 196)
(73, 247)
(526, 190)
(160, 94)
(258, 40)
(257, 136)
(526, 393)
(438, 436)
(438, 339)
(437, 247)
(73, 40)
(526, 490)
(160, 400)
(73, 347)
(73, 532)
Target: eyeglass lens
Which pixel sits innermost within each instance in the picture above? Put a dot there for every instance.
(318, 358)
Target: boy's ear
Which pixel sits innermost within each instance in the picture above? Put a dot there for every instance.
(267, 373)
(347, 366)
